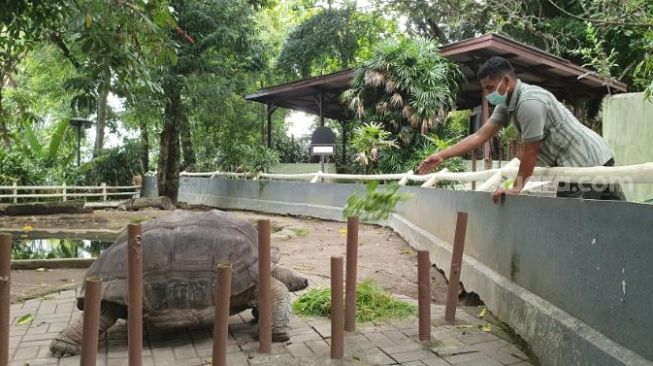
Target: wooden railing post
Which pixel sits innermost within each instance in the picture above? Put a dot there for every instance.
(91, 327)
(135, 295)
(221, 318)
(5, 287)
(456, 267)
(104, 191)
(64, 192)
(424, 294)
(265, 292)
(337, 316)
(15, 192)
(352, 264)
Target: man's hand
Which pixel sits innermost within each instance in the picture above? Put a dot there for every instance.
(499, 195)
(430, 163)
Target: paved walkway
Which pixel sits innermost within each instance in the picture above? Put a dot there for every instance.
(391, 343)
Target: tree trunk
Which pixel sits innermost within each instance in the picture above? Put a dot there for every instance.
(168, 170)
(145, 137)
(4, 133)
(135, 204)
(44, 208)
(102, 109)
(186, 141)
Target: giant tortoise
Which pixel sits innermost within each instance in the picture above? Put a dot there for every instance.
(180, 255)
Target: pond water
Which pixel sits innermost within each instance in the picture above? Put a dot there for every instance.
(57, 248)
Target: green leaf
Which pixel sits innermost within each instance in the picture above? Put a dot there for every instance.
(88, 21)
(25, 319)
(57, 138)
(31, 138)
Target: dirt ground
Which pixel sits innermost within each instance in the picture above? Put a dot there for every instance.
(382, 255)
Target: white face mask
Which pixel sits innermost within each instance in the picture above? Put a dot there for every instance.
(495, 98)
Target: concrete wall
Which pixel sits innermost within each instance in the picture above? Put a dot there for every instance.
(572, 277)
(628, 129)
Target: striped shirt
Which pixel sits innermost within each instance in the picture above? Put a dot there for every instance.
(539, 116)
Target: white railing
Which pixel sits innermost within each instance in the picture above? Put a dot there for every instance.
(491, 179)
(66, 192)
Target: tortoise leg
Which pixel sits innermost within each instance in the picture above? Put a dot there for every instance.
(255, 315)
(69, 341)
(281, 311)
(293, 280)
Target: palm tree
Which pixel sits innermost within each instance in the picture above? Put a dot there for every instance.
(407, 86)
(369, 140)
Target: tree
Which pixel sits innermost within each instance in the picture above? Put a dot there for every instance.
(330, 40)
(406, 85)
(22, 24)
(217, 38)
(110, 44)
(443, 21)
(611, 37)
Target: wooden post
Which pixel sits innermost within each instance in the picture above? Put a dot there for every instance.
(337, 320)
(15, 192)
(424, 294)
(63, 191)
(264, 274)
(5, 287)
(221, 319)
(350, 284)
(456, 264)
(104, 191)
(135, 295)
(91, 330)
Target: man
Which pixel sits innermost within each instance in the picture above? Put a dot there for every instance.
(550, 133)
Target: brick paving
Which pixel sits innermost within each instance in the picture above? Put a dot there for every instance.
(388, 343)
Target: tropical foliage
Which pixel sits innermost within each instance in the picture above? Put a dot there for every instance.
(376, 203)
(370, 140)
(331, 40)
(163, 80)
(405, 85)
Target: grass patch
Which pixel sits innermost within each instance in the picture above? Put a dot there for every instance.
(372, 303)
(301, 232)
(138, 219)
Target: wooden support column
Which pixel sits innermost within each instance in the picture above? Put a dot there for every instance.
(344, 143)
(271, 109)
(321, 106)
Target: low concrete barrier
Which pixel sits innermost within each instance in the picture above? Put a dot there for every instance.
(571, 277)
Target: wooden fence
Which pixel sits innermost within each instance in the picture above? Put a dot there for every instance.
(14, 193)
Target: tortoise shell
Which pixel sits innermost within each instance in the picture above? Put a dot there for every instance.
(180, 254)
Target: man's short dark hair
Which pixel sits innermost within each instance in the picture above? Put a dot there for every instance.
(495, 67)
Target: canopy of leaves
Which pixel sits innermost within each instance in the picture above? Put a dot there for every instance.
(616, 44)
(329, 41)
